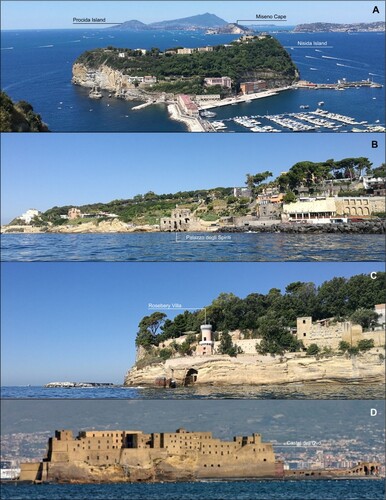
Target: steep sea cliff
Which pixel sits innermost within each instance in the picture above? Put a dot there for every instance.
(222, 370)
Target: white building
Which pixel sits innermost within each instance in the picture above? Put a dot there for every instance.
(380, 310)
(29, 215)
(185, 51)
(223, 81)
(142, 79)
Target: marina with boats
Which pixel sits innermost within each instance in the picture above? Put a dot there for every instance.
(9, 470)
(319, 120)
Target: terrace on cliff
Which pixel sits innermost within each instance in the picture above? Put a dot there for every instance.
(260, 57)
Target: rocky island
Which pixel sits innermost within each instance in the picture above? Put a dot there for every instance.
(186, 78)
(78, 385)
(192, 23)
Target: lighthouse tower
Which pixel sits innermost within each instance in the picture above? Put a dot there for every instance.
(206, 344)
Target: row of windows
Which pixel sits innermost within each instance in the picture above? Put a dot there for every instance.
(354, 202)
(111, 434)
(89, 447)
(108, 441)
(215, 452)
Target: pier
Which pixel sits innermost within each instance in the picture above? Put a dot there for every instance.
(242, 99)
(339, 85)
(320, 119)
(144, 105)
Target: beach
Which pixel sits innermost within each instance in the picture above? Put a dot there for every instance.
(193, 124)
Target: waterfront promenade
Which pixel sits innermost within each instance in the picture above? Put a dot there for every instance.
(244, 98)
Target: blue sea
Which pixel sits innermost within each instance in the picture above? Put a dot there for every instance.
(37, 67)
(219, 490)
(290, 391)
(244, 247)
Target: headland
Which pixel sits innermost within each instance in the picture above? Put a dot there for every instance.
(337, 196)
(189, 80)
(256, 340)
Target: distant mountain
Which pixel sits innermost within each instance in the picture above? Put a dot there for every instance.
(132, 25)
(201, 21)
(335, 27)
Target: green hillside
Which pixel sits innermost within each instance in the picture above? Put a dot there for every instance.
(270, 316)
(241, 61)
(19, 117)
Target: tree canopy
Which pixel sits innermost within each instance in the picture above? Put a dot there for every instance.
(260, 58)
(270, 316)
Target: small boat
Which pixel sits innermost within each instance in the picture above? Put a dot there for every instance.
(320, 103)
(304, 106)
(207, 114)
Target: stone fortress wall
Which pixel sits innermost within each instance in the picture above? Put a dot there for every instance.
(324, 333)
(329, 333)
(245, 456)
(133, 456)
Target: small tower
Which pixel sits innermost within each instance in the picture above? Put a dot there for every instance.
(206, 343)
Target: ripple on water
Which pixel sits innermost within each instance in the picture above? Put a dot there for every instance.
(358, 489)
(290, 391)
(246, 247)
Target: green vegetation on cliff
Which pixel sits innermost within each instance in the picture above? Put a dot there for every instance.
(241, 61)
(271, 316)
(149, 207)
(19, 117)
(218, 202)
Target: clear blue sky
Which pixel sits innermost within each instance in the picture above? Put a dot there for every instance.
(78, 321)
(41, 171)
(56, 14)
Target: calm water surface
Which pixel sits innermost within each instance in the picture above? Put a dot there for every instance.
(221, 490)
(246, 247)
(37, 67)
(290, 391)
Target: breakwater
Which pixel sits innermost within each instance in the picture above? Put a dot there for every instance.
(367, 227)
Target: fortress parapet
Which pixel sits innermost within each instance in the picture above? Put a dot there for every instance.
(180, 454)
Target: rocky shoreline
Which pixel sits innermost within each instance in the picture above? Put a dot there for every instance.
(116, 226)
(259, 370)
(366, 227)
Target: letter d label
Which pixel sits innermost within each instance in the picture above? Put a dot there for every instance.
(373, 412)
